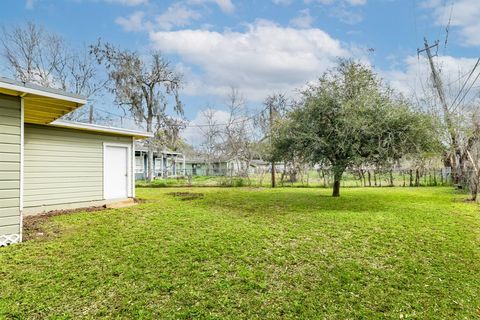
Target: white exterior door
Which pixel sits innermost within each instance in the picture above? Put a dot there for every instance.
(116, 172)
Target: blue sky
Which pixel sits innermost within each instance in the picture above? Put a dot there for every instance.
(265, 46)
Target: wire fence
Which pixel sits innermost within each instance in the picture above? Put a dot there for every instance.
(417, 177)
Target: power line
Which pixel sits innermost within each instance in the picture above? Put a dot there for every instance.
(447, 28)
(458, 79)
(194, 125)
(113, 114)
(468, 90)
(442, 17)
(229, 123)
(417, 71)
(465, 83)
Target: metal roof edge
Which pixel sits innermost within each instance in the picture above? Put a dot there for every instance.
(31, 88)
(100, 128)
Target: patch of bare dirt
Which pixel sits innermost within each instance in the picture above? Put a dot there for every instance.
(186, 195)
(34, 226)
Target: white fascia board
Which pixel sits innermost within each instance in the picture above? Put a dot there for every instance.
(44, 93)
(99, 128)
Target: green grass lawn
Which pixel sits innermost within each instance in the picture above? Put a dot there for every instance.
(254, 253)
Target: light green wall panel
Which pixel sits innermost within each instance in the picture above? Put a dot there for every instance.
(11, 229)
(9, 212)
(9, 148)
(10, 221)
(10, 136)
(63, 166)
(9, 184)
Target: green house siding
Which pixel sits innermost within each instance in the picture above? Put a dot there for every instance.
(10, 136)
(63, 165)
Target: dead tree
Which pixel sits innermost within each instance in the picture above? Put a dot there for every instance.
(145, 87)
(211, 135)
(34, 55)
(238, 138)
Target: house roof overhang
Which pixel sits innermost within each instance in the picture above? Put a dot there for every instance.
(101, 129)
(41, 105)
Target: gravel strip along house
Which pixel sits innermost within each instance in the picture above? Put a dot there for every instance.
(49, 164)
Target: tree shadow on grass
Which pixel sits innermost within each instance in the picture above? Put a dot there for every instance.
(286, 202)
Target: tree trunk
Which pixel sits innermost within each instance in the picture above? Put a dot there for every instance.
(361, 174)
(474, 188)
(456, 170)
(336, 188)
(150, 164)
(369, 178)
(150, 148)
(337, 178)
(273, 175)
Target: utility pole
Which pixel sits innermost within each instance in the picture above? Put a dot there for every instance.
(90, 115)
(270, 107)
(447, 117)
(437, 81)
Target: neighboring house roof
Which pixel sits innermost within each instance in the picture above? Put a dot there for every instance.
(253, 163)
(41, 105)
(260, 162)
(166, 152)
(101, 129)
(204, 160)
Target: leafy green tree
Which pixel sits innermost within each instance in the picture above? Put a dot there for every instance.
(350, 117)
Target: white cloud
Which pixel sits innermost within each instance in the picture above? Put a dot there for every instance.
(465, 16)
(345, 2)
(264, 58)
(29, 4)
(176, 15)
(357, 2)
(303, 20)
(128, 2)
(225, 5)
(133, 23)
(282, 2)
(343, 9)
(346, 15)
